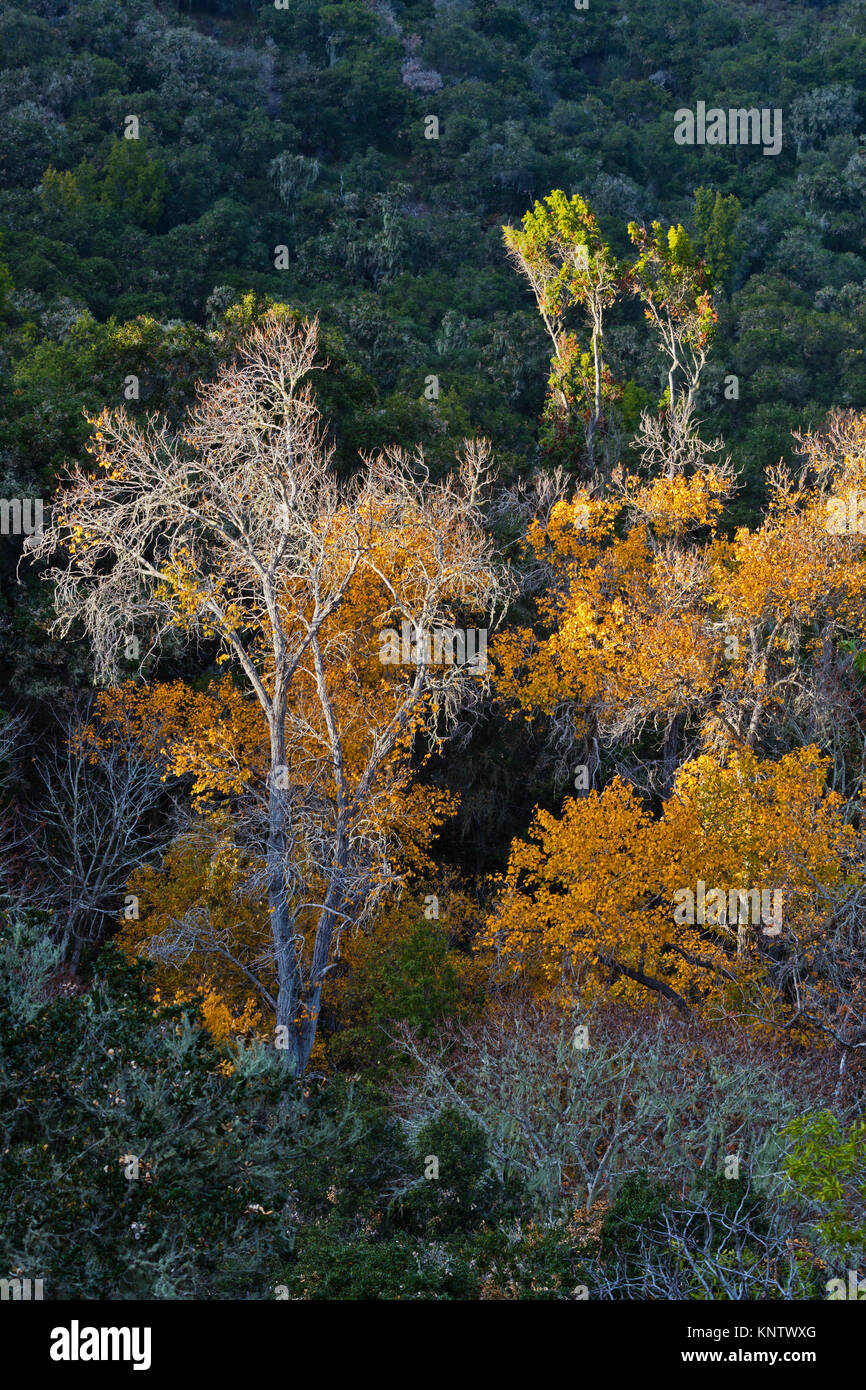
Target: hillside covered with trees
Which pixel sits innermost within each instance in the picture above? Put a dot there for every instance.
(433, 634)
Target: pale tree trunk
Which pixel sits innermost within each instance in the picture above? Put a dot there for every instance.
(595, 413)
(298, 1005)
(330, 917)
(282, 925)
(672, 394)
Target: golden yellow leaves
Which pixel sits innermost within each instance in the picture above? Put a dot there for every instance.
(750, 821)
(584, 521)
(593, 889)
(639, 622)
(625, 632)
(204, 872)
(221, 1021)
(675, 505)
(578, 884)
(218, 735)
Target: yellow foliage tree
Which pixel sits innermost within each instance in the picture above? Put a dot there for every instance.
(650, 616)
(237, 529)
(204, 874)
(708, 905)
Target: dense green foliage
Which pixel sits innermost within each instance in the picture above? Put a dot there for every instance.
(305, 127)
(156, 1166)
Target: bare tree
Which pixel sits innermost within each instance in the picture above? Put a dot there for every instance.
(99, 817)
(238, 528)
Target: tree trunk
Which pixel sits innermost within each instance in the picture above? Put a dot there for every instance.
(670, 753)
(595, 414)
(330, 917)
(282, 925)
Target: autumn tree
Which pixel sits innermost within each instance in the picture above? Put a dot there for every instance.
(605, 894)
(236, 529)
(749, 645)
(648, 615)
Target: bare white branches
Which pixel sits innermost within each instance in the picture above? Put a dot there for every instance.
(237, 529)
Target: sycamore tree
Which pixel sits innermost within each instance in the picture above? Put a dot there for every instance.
(236, 529)
(743, 898)
(753, 648)
(649, 616)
